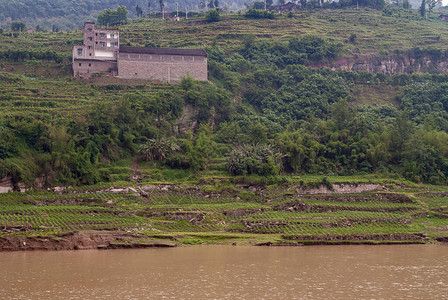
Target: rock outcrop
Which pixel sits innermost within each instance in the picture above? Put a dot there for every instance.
(390, 65)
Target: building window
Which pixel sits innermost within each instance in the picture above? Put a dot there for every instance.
(90, 29)
(80, 64)
(90, 54)
(102, 35)
(79, 52)
(112, 36)
(89, 47)
(90, 38)
(96, 43)
(90, 65)
(96, 34)
(103, 44)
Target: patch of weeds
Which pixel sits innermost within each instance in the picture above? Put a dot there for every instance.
(327, 183)
(191, 241)
(248, 196)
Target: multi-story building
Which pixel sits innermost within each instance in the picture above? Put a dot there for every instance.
(101, 53)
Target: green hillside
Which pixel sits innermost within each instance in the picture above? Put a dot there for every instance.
(375, 32)
(254, 156)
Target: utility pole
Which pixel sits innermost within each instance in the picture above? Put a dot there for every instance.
(186, 12)
(177, 9)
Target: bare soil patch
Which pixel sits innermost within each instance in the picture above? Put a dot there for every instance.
(81, 241)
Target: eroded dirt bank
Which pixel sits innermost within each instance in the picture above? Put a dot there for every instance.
(81, 241)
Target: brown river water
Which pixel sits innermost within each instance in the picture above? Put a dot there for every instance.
(229, 272)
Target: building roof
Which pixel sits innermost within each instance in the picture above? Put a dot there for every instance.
(163, 51)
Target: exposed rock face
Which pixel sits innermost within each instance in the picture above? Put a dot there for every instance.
(6, 184)
(395, 64)
(341, 188)
(10, 184)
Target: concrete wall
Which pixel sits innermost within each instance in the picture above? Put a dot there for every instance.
(75, 54)
(84, 68)
(169, 68)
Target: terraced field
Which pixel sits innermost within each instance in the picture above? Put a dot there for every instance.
(235, 214)
(374, 31)
(45, 98)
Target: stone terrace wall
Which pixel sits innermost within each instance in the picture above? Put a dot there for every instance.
(169, 68)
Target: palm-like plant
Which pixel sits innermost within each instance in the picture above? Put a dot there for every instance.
(158, 149)
(248, 158)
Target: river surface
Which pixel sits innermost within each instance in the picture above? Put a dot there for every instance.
(229, 272)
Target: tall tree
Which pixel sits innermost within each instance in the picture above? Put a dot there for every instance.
(109, 17)
(423, 9)
(162, 6)
(18, 26)
(431, 4)
(406, 4)
(139, 11)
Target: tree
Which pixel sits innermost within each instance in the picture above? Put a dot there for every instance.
(139, 11)
(211, 4)
(158, 149)
(425, 156)
(400, 134)
(423, 9)
(431, 4)
(406, 4)
(109, 17)
(18, 26)
(162, 6)
(254, 159)
(213, 16)
(201, 148)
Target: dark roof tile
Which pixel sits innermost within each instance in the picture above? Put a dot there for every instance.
(161, 51)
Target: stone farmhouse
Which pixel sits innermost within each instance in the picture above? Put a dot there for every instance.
(101, 52)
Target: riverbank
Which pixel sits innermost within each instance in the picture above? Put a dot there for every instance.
(219, 212)
(120, 240)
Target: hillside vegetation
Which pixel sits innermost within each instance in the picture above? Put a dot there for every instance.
(70, 14)
(375, 32)
(233, 157)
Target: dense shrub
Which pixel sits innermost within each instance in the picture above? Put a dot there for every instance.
(259, 14)
(213, 16)
(258, 159)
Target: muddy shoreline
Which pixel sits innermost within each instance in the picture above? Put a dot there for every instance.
(82, 241)
(120, 240)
